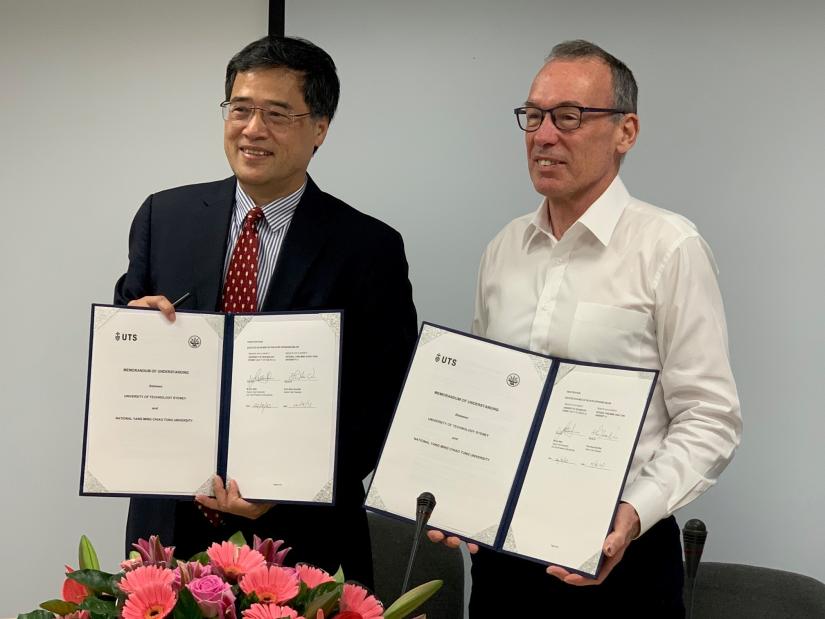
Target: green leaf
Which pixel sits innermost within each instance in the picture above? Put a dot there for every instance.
(324, 587)
(238, 539)
(134, 554)
(248, 600)
(201, 558)
(96, 606)
(412, 599)
(186, 607)
(95, 580)
(325, 602)
(339, 575)
(59, 607)
(36, 614)
(86, 555)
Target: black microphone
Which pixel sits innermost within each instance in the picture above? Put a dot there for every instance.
(693, 536)
(425, 504)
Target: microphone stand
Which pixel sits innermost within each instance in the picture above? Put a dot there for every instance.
(694, 535)
(424, 508)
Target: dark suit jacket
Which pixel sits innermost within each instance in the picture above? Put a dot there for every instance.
(333, 257)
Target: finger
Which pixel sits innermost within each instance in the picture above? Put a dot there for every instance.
(158, 302)
(473, 548)
(435, 536)
(453, 542)
(166, 308)
(612, 543)
(234, 491)
(220, 491)
(207, 501)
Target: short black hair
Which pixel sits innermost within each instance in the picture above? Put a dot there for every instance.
(321, 85)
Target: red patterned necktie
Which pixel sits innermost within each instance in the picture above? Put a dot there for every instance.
(240, 294)
(240, 291)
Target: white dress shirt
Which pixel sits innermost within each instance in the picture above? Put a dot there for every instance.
(271, 233)
(628, 284)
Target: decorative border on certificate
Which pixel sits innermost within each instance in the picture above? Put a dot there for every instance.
(334, 322)
(430, 333)
(488, 535)
(239, 323)
(207, 487)
(102, 315)
(374, 498)
(324, 495)
(92, 483)
(510, 541)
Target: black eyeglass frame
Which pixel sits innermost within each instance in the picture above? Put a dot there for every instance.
(552, 111)
(225, 112)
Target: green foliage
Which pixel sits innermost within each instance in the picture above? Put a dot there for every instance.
(247, 600)
(238, 539)
(100, 582)
(186, 607)
(412, 599)
(339, 575)
(59, 607)
(99, 608)
(86, 555)
(201, 558)
(36, 614)
(325, 601)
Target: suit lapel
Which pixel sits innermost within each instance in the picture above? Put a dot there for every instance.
(309, 230)
(211, 226)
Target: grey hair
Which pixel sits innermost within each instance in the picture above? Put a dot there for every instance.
(625, 91)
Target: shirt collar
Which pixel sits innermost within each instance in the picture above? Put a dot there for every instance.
(277, 213)
(600, 218)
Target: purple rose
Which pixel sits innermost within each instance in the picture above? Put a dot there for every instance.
(213, 595)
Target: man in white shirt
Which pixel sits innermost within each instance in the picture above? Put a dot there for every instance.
(596, 275)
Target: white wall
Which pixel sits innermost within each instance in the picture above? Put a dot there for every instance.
(732, 137)
(102, 103)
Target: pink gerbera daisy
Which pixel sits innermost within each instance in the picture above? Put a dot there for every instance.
(146, 575)
(312, 576)
(271, 584)
(232, 561)
(154, 601)
(356, 599)
(270, 611)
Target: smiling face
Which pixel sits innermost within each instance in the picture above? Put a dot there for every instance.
(271, 162)
(573, 168)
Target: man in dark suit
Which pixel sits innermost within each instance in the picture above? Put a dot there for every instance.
(313, 252)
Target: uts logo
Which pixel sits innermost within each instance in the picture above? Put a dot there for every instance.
(445, 359)
(513, 379)
(126, 337)
(194, 341)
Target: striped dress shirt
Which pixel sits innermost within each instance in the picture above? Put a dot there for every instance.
(271, 232)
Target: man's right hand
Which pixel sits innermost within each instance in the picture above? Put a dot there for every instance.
(158, 302)
(437, 536)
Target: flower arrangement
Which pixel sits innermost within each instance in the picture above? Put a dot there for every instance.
(230, 580)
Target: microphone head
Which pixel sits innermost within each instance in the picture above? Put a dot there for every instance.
(694, 524)
(426, 501)
(695, 532)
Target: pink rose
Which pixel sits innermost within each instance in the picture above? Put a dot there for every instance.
(213, 595)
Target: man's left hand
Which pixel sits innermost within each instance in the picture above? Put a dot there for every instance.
(228, 499)
(626, 527)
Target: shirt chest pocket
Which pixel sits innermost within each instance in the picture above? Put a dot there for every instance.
(609, 334)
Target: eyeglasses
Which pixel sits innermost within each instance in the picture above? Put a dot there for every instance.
(241, 113)
(564, 117)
